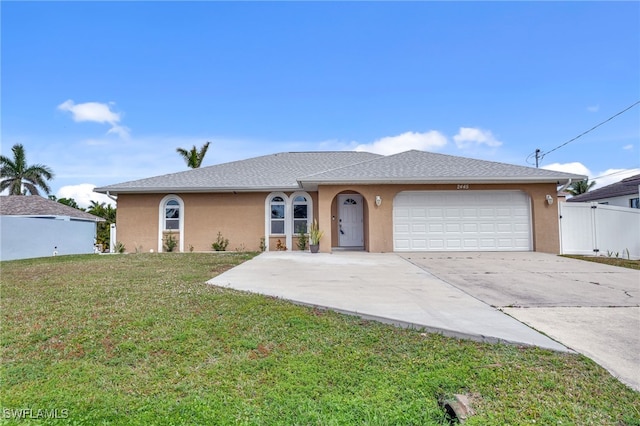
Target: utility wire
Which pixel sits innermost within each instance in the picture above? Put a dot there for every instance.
(539, 155)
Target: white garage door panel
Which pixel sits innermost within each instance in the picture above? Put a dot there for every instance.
(462, 220)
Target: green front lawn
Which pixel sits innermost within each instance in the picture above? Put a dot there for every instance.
(141, 339)
(609, 260)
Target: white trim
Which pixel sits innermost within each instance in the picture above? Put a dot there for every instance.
(267, 218)
(288, 215)
(161, 221)
(309, 208)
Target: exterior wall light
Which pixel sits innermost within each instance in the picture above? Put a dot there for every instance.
(378, 200)
(549, 199)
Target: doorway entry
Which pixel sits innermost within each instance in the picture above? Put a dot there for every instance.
(350, 221)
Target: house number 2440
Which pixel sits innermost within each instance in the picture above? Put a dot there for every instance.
(463, 186)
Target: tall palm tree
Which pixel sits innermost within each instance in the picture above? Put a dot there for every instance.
(193, 157)
(580, 187)
(20, 178)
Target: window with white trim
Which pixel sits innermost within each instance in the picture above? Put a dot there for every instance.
(300, 214)
(171, 215)
(278, 209)
(634, 203)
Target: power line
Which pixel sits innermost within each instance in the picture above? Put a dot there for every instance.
(539, 155)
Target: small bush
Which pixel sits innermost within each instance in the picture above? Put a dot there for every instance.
(119, 247)
(170, 243)
(263, 244)
(302, 241)
(221, 243)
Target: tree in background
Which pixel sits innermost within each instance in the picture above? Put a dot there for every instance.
(194, 157)
(20, 178)
(580, 187)
(108, 213)
(67, 202)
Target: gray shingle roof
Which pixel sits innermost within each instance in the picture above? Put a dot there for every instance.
(266, 173)
(293, 170)
(426, 167)
(34, 205)
(626, 186)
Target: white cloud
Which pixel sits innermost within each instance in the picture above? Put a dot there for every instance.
(604, 178)
(576, 168)
(83, 194)
(628, 147)
(593, 108)
(96, 112)
(468, 137)
(427, 141)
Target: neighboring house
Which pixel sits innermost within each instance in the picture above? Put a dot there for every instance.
(412, 201)
(33, 226)
(621, 194)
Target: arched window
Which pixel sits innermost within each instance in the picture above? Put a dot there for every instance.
(300, 214)
(277, 215)
(171, 215)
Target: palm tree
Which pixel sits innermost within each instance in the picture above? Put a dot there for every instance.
(106, 212)
(193, 157)
(580, 187)
(20, 178)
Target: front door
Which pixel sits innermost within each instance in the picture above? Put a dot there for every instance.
(350, 227)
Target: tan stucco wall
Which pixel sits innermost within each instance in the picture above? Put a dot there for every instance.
(378, 228)
(241, 217)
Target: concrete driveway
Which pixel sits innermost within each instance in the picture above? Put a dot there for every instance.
(491, 297)
(591, 308)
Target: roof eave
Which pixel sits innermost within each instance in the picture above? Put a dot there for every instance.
(444, 180)
(183, 190)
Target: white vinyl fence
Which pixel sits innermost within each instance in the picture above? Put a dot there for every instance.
(599, 229)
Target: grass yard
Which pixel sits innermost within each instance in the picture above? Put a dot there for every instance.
(609, 260)
(140, 339)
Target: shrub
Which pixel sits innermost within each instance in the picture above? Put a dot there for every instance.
(170, 242)
(119, 247)
(221, 243)
(302, 241)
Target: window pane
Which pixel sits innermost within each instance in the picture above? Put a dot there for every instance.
(277, 211)
(172, 224)
(172, 213)
(300, 226)
(300, 211)
(300, 199)
(277, 226)
(172, 203)
(277, 199)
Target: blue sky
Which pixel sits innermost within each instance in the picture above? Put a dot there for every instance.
(104, 92)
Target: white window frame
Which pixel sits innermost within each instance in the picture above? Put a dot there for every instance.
(288, 216)
(308, 203)
(162, 221)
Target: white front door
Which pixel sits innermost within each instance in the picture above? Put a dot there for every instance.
(350, 228)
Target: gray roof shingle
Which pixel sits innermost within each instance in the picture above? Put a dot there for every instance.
(626, 186)
(267, 173)
(34, 205)
(426, 167)
(293, 170)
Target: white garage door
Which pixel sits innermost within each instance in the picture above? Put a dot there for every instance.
(461, 221)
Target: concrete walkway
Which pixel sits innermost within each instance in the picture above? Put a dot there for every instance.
(384, 287)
